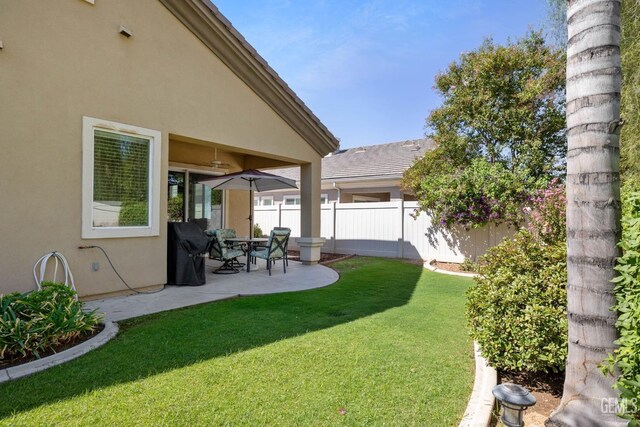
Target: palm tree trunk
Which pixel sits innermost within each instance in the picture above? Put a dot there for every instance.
(593, 208)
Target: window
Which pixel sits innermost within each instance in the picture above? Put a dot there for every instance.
(120, 180)
(263, 201)
(291, 200)
(295, 200)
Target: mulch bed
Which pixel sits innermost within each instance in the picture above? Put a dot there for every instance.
(324, 257)
(546, 388)
(449, 266)
(79, 339)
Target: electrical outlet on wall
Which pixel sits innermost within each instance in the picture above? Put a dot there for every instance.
(95, 266)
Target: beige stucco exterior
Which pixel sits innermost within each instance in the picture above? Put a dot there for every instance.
(64, 60)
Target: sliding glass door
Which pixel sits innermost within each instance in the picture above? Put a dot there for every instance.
(205, 204)
(176, 199)
(191, 199)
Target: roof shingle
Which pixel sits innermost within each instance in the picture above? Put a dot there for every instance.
(383, 160)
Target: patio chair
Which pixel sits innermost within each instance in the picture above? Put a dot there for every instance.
(275, 250)
(286, 250)
(228, 254)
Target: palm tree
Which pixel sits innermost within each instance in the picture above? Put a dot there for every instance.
(593, 208)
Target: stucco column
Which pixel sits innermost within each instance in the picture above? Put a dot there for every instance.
(310, 241)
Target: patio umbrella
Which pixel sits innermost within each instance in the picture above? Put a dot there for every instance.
(252, 180)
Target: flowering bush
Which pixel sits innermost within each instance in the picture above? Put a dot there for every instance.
(547, 214)
(476, 195)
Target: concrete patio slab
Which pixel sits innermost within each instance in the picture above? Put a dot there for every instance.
(298, 278)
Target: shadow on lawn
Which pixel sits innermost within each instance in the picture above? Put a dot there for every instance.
(162, 342)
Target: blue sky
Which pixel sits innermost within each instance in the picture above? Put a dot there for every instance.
(366, 67)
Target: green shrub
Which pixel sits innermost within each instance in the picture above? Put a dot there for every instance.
(133, 214)
(175, 208)
(518, 308)
(257, 231)
(39, 321)
(468, 265)
(627, 290)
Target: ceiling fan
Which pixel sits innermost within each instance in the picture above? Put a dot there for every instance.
(219, 163)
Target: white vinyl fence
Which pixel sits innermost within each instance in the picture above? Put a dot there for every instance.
(385, 229)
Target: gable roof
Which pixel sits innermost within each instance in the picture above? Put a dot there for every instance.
(206, 22)
(373, 161)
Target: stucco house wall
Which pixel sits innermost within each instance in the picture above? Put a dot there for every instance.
(63, 60)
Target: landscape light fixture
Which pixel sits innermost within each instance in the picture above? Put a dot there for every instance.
(514, 400)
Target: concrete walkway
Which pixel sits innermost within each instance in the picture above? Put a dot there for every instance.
(298, 278)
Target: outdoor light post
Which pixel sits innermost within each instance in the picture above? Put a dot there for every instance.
(514, 400)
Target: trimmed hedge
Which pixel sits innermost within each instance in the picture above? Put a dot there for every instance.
(39, 321)
(133, 214)
(517, 311)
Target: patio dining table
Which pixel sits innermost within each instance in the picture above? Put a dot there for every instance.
(252, 243)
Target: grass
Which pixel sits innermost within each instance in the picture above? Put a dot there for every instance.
(386, 345)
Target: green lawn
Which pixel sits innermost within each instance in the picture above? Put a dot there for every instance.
(386, 345)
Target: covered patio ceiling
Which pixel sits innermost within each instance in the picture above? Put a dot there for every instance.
(220, 158)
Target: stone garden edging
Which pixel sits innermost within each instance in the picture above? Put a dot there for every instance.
(110, 330)
(428, 266)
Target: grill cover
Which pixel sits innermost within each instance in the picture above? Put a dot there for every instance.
(185, 263)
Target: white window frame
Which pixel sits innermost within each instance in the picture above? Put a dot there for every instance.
(259, 200)
(294, 198)
(323, 196)
(89, 125)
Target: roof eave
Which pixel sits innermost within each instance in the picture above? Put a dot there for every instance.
(205, 21)
(363, 178)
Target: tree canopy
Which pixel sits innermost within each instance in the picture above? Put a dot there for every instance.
(499, 134)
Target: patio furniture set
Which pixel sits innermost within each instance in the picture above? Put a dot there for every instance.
(189, 244)
(227, 247)
(188, 241)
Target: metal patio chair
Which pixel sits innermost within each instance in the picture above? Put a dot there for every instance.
(286, 250)
(224, 252)
(276, 248)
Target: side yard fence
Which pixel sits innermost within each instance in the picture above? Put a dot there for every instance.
(386, 229)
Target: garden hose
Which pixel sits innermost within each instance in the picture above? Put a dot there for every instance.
(59, 259)
(116, 271)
